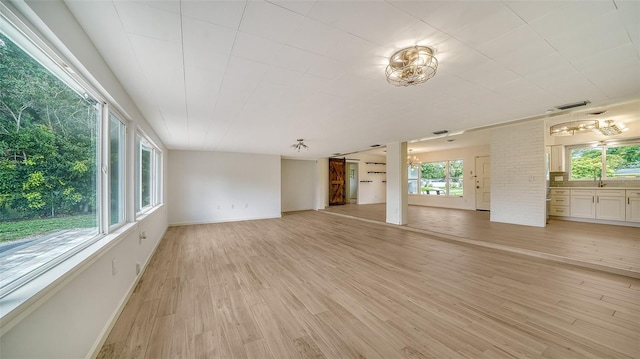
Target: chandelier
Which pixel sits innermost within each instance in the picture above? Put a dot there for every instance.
(412, 161)
(411, 66)
(300, 145)
(611, 129)
(573, 127)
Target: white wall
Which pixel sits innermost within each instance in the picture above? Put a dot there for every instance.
(518, 179)
(468, 200)
(376, 190)
(208, 187)
(299, 181)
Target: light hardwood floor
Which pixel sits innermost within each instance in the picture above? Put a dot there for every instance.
(312, 285)
(605, 247)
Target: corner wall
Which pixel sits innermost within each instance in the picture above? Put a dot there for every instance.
(299, 181)
(209, 187)
(518, 180)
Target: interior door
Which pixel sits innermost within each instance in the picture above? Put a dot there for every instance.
(483, 183)
(336, 181)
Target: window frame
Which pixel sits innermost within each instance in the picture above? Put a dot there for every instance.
(32, 44)
(447, 179)
(155, 176)
(122, 169)
(603, 160)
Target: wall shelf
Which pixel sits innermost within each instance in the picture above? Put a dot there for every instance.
(376, 163)
(366, 181)
(377, 172)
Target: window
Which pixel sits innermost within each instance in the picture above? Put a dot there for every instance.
(414, 173)
(148, 165)
(49, 202)
(117, 161)
(433, 178)
(438, 178)
(612, 162)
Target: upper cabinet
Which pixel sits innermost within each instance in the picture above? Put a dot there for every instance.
(557, 159)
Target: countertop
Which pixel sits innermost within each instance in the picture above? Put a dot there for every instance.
(605, 187)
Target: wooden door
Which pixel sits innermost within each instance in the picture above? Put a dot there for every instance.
(483, 184)
(336, 181)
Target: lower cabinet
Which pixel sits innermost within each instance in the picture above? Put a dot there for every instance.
(633, 206)
(583, 203)
(598, 203)
(610, 205)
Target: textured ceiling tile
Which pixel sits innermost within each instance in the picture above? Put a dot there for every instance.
(222, 13)
(269, 21)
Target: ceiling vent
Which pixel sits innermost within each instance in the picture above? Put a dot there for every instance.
(597, 113)
(573, 105)
(441, 132)
(374, 146)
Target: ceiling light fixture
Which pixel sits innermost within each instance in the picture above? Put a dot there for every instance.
(411, 66)
(412, 161)
(573, 127)
(300, 145)
(611, 129)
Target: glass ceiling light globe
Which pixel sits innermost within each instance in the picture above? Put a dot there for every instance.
(411, 66)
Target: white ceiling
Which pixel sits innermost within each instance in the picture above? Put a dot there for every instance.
(253, 76)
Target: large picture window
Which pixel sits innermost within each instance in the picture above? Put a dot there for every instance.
(442, 178)
(49, 130)
(588, 163)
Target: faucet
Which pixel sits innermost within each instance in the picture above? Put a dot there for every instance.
(600, 183)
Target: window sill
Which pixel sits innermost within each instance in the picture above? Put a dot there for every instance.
(18, 304)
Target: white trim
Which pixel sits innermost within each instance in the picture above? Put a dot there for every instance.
(177, 224)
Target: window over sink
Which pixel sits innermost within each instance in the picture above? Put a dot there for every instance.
(611, 161)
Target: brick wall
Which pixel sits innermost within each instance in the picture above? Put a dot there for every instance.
(518, 178)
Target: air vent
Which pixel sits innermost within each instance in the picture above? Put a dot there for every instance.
(572, 105)
(337, 154)
(597, 113)
(374, 146)
(441, 132)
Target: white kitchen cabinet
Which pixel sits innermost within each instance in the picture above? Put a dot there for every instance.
(583, 203)
(560, 202)
(610, 204)
(633, 206)
(557, 158)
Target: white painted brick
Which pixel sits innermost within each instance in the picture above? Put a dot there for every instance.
(518, 183)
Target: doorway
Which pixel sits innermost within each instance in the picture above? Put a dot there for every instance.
(352, 182)
(483, 183)
(337, 181)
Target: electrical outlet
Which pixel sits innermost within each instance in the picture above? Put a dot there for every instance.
(138, 268)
